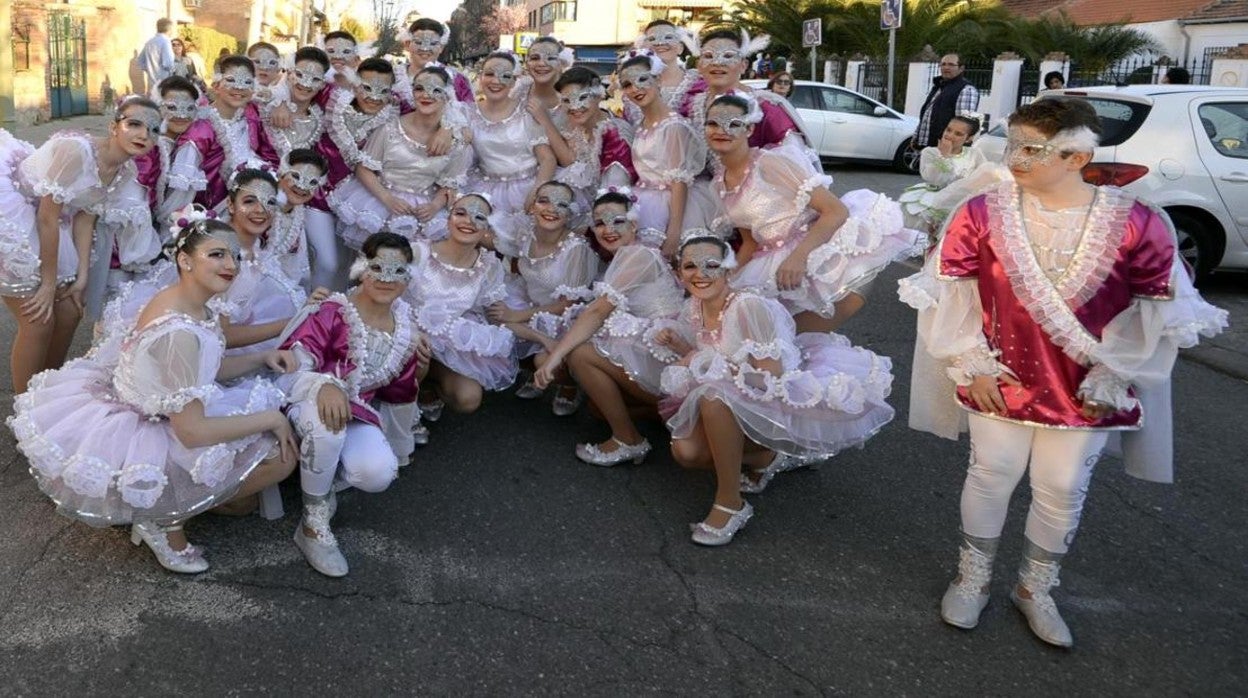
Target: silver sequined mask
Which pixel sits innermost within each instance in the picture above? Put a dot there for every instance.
(265, 193)
(340, 49)
(179, 105)
(142, 119)
(544, 53)
(581, 98)
(638, 77)
(734, 126)
(306, 177)
(557, 199)
(377, 89)
(426, 41)
(725, 56)
(709, 265)
(475, 210)
(309, 75)
(266, 59)
(1024, 153)
(430, 85)
(238, 78)
(389, 266)
(663, 37)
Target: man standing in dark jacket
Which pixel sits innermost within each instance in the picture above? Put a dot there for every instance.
(951, 95)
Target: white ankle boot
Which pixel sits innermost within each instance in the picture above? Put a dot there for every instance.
(967, 597)
(1038, 577)
(320, 550)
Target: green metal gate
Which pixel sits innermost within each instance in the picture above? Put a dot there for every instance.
(67, 64)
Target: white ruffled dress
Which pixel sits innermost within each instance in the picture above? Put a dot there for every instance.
(567, 273)
(672, 151)
(923, 203)
(772, 202)
(647, 298)
(66, 168)
(406, 170)
(99, 443)
(506, 167)
(450, 303)
(829, 396)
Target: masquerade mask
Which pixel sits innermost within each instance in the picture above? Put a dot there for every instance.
(664, 36)
(266, 60)
(309, 75)
(238, 78)
(612, 222)
(430, 85)
(228, 238)
(544, 53)
(734, 126)
(722, 56)
(340, 49)
(557, 198)
(503, 75)
(306, 177)
(377, 89)
(265, 193)
(426, 41)
(710, 265)
(636, 76)
(1024, 153)
(141, 120)
(475, 210)
(179, 105)
(581, 98)
(389, 266)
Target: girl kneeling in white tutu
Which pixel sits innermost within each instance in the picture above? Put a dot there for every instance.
(611, 347)
(751, 391)
(141, 432)
(802, 245)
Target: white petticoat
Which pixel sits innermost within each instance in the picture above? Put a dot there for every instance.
(834, 400)
(470, 346)
(19, 234)
(653, 206)
(104, 462)
(508, 198)
(871, 239)
(360, 214)
(627, 341)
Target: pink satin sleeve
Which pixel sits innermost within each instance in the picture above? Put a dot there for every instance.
(463, 89)
(405, 387)
(775, 125)
(959, 249)
(323, 334)
(616, 149)
(1151, 255)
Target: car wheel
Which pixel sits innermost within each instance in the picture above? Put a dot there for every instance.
(1197, 245)
(906, 160)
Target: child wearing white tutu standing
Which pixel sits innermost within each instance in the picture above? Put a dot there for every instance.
(802, 245)
(928, 203)
(141, 432)
(750, 391)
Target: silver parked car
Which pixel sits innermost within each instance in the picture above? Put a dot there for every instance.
(847, 125)
(1182, 147)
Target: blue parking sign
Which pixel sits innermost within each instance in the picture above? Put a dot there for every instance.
(890, 14)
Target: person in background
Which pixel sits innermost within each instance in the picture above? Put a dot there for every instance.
(951, 94)
(1176, 76)
(1053, 80)
(781, 84)
(183, 67)
(157, 58)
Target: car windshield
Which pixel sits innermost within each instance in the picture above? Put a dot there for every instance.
(1119, 119)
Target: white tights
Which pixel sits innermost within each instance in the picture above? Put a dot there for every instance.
(359, 454)
(324, 248)
(1061, 467)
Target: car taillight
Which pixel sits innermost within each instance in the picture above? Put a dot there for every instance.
(1116, 174)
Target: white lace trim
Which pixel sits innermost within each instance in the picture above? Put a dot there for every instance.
(618, 299)
(1106, 387)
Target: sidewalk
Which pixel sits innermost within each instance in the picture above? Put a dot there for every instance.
(94, 124)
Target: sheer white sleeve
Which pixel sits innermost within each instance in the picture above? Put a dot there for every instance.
(950, 325)
(580, 270)
(755, 328)
(63, 168)
(167, 373)
(685, 152)
(633, 267)
(785, 169)
(936, 169)
(186, 172)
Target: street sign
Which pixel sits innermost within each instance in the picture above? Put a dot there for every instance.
(523, 41)
(890, 14)
(812, 33)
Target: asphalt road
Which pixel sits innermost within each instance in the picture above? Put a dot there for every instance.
(498, 564)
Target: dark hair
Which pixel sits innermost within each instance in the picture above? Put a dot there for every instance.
(135, 101)
(972, 124)
(612, 197)
(721, 33)
(784, 73)
(658, 23)
(340, 34)
(234, 61)
(1178, 76)
(312, 53)
(1052, 116)
(547, 40)
(438, 71)
(711, 239)
(643, 61)
(163, 25)
(307, 156)
(192, 235)
(581, 76)
(504, 55)
(426, 24)
(247, 176)
(384, 239)
(177, 83)
(263, 44)
(375, 65)
(557, 183)
(1048, 77)
(732, 101)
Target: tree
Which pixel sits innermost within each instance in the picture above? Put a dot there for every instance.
(386, 23)
(468, 21)
(505, 20)
(357, 29)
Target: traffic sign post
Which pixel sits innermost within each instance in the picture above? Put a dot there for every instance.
(890, 20)
(812, 38)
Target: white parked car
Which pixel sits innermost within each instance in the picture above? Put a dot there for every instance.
(1182, 147)
(846, 125)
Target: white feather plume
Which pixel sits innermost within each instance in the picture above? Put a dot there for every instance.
(749, 46)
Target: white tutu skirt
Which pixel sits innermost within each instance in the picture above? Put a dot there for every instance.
(927, 208)
(833, 401)
(19, 234)
(361, 214)
(627, 341)
(872, 237)
(653, 206)
(471, 347)
(508, 199)
(105, 463)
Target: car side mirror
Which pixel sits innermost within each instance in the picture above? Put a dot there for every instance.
(880, 111)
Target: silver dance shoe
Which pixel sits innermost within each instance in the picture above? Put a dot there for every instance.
(529, 391)
(590, 453)
(1038, 578)
(321, 550)
(432, 412)
(781, 463)
(563, 407)
(709, 535)
(189, 560)
(965, 598)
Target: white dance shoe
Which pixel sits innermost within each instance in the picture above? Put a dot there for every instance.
(189, 560)
(966, 598)
(564, 406)
(590, 453)
(1040, 610)
(321, 551)
(704, 534)
(781, 463)
(432, 412)
(529, 391)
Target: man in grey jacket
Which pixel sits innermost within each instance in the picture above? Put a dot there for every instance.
(156, 59)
